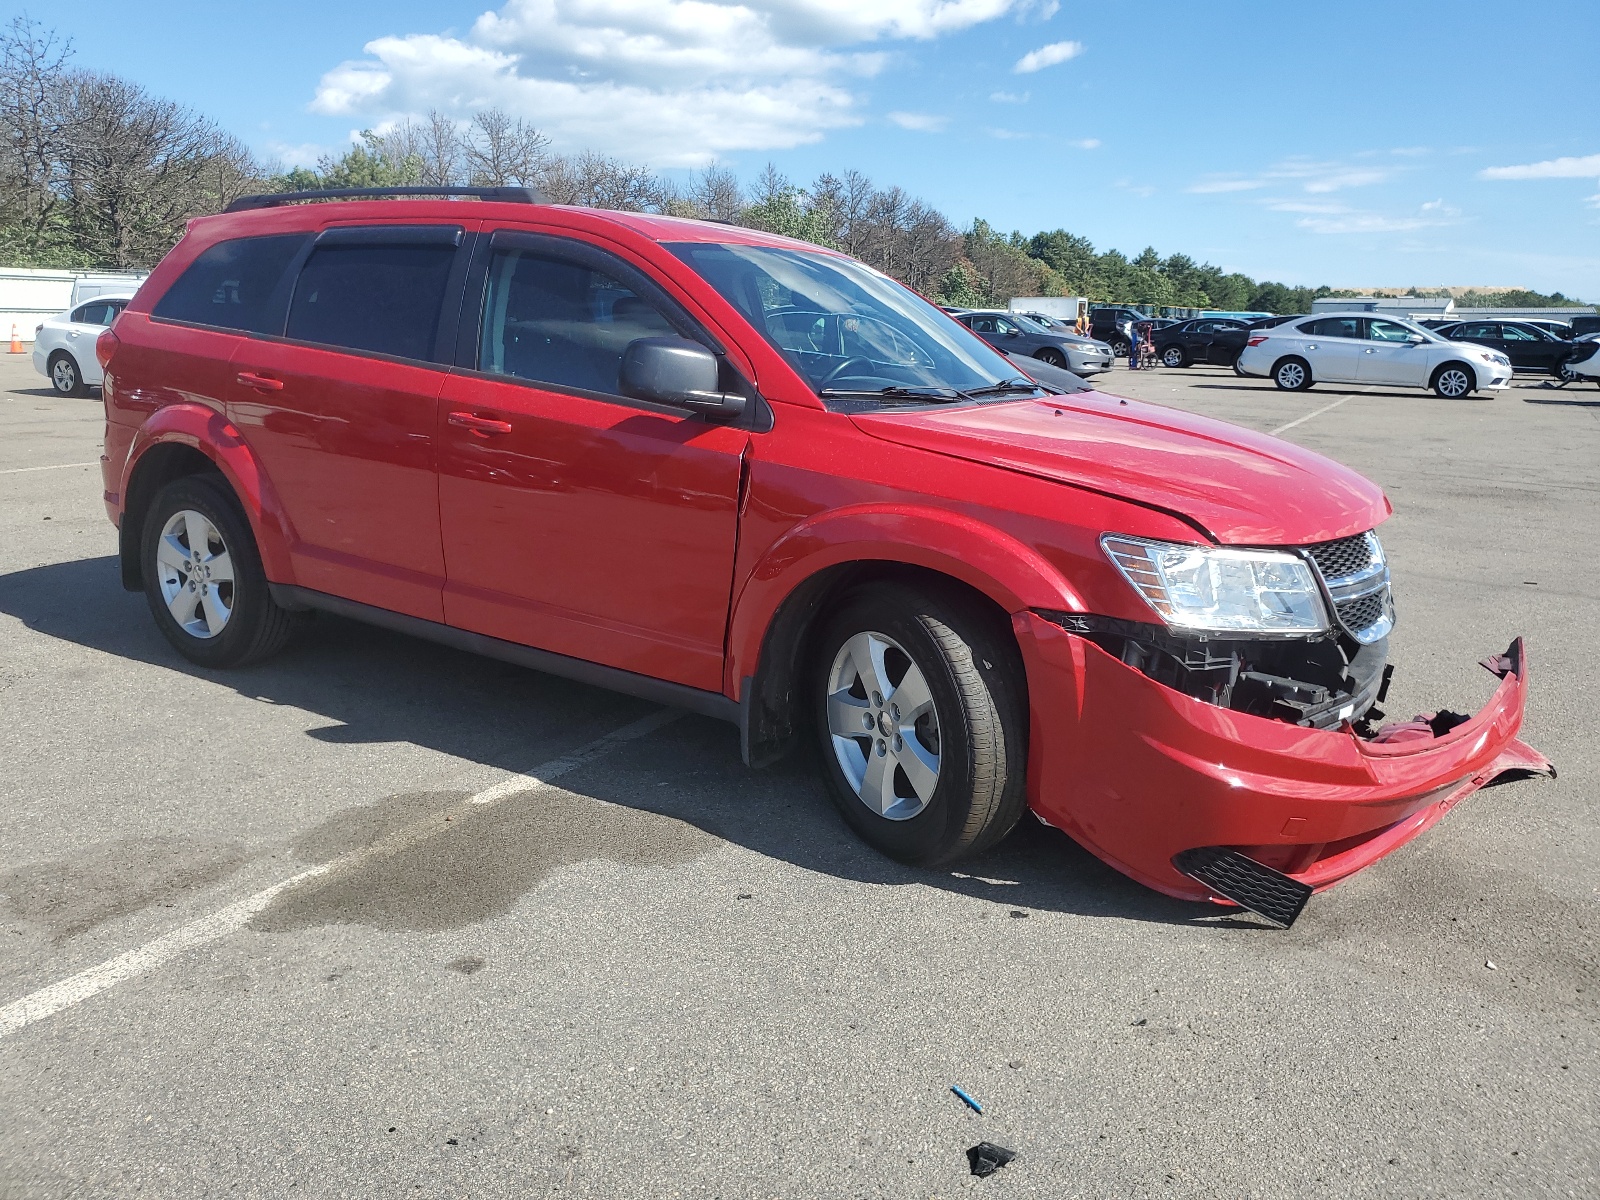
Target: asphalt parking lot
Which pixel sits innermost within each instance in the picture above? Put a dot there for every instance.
(656, 973)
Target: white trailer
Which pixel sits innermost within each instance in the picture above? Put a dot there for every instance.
(29, 294)
(1062, 308)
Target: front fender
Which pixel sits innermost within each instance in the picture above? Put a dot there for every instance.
(1012, 574)
(212, 434)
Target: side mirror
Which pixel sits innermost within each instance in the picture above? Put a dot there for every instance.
(1416, 339)
(679, 372)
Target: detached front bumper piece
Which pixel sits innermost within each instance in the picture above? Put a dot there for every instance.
(1141, 774)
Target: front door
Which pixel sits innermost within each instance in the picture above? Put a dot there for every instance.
(1389, 356)
(575, 519)
(342, 414)
(1529, 349)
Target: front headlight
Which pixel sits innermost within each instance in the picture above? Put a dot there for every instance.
(1221, 590)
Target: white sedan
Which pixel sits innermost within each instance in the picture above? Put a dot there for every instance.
(1362, 348)
(63, 347)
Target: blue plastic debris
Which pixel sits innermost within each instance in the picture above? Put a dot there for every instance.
(969, 1101)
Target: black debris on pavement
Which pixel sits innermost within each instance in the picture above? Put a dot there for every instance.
(467, 964)
(986, 1158)
(1017, 912)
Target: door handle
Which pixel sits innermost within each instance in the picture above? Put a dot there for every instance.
(1369, 350)
(260, 382)
(481, 426)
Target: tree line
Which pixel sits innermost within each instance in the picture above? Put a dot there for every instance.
(97, 172)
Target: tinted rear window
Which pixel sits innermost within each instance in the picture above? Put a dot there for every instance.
(232, 285)
(383, 299)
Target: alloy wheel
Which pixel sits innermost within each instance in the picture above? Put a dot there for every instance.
(195, 572)
(1291, 376)
(1453, 383)
(1172, 357)
(64, 375)
(883, 726)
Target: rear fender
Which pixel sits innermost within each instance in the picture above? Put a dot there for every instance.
(213, 435)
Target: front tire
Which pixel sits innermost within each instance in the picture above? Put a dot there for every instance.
(65, 376)
(1052, 357)
(922, 717)
(1292, 374)
(203, 577)
(1453, 381)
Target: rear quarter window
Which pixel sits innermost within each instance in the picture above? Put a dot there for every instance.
(384, 299)
(234, 285)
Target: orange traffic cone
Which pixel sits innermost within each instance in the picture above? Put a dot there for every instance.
(16, 342)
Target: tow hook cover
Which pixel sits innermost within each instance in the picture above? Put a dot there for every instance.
(1271, 895)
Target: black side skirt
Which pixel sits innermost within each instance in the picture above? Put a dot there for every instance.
(658, 691)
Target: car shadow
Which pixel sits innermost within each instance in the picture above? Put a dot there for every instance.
(374, 686)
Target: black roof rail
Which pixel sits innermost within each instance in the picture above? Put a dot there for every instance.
(511, 195)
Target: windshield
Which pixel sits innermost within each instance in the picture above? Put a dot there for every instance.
(848, 330)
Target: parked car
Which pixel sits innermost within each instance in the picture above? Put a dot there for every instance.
(1585, 361)
(608, 445)
(1583, 326)
(1107, 324)
(63, 346)
(1215, 340)
(1358, 348)
(1562, 329)
(1528, 346)
(1016, 333)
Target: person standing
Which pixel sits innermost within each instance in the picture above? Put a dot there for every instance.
(1130, 334)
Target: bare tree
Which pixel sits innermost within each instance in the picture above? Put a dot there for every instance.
(136, 168)
(33, 65)
(597, 181)
(501, 152)
(443, 150)
(714, 196)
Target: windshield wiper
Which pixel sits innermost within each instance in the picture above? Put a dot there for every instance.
(896, 392)
(1019, 384)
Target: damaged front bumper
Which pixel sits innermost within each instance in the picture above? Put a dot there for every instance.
(1140, 773)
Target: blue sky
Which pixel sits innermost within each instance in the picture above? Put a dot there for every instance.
(1358, 144)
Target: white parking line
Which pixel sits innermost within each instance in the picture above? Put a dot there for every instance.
(51, 467)
(77, 988)
(1309, 415)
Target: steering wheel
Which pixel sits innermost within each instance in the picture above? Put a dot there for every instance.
(842, 367)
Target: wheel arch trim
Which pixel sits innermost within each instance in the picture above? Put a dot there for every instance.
(783, 595)
(202, 429)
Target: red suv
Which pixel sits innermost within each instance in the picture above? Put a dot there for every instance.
(758, 480)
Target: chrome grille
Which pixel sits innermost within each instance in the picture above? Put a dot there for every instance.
(1357, 578)
(1345, 557)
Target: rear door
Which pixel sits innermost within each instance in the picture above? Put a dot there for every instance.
(342, 410)
(576, 519)
(1333, 347)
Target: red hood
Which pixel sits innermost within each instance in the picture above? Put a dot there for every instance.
(1245, 488)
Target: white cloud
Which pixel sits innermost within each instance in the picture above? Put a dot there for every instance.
(1553, 168)
(1047, 56)
(1007, 135)
(919, 122)
(1009, 97)
(1337, 218)
(1207, 187)
(668, 82)
(303, 154)
(1310, 175)
(1086, 143)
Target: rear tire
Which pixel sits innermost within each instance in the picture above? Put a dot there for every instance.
(1453, 381)
(1292, 374)
(1173, 356)
(1119, 348)
(943, 773)
(65, 375)
(209, 600)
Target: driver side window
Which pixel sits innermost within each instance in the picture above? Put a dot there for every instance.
(1386, 331)
(560, 322)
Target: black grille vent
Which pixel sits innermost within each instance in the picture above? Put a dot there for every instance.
(1249, 884)
(1342, 558)
(1362, 613)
